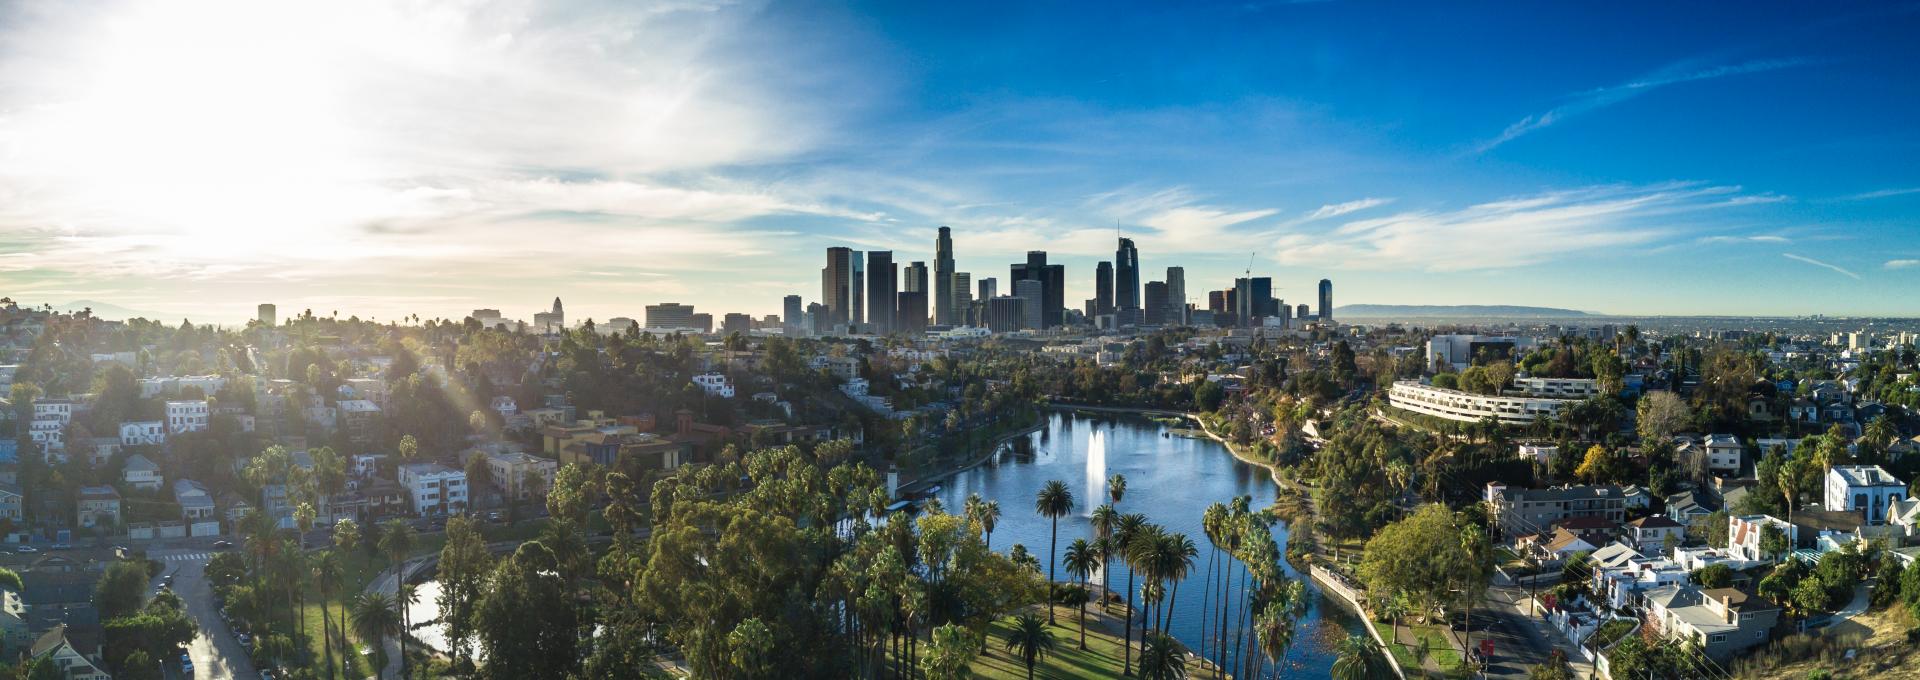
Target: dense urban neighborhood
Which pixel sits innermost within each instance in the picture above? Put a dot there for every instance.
(1676, 499)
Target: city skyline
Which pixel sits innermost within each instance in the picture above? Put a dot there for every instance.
(1566, 157)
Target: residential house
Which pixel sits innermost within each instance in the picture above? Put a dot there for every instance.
(434, 489)
(140, 472)
(1651, 533)
(1723, 453)
(16, 636)
(11, 501)
(1690, 507)
(1621, 574)
(1745, 534)
(1863, 489)
(504, 405)
(1530, 511)
(1904, 516)
(186, 415)
(99, 506)
(57, 410)
(143, 433)
(360, 419)
(196, 508)
(72, 664)
(1722, 621)
(715, 385)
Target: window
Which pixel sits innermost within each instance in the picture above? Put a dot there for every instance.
(1720, 637)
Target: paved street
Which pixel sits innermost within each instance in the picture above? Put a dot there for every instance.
(1520, 640)
(215, 652)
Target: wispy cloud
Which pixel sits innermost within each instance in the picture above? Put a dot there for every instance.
(1338, 209)
(1590, 100)
(1902, 264)
(1764, 238)
(1818, 263)
(1524, 230)
(1883, 193)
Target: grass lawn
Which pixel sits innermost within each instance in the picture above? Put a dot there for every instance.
(1438, 649)
(1101, 659)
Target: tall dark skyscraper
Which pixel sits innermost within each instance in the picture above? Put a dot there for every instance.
(1126, 279)
(1176, 296)
(916, 281)
(1103, 288)
(943, 278)
(1053, 286)
(912, 315)
(989, 289)
(836, 285)
(1326, 300)
(790, 313)
(883, 290)
(1154, 308)
(1253, 299)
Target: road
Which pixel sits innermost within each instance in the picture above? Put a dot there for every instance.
(215, 652)
(1520, 640)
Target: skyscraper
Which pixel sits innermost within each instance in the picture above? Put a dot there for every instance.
(1253, 299)
(836, 282)
(1305, 314)
(1053, 282)
(669, 316)
(857, 289)
(1103, 288)
(1326, 300)
(1126, 293)
(268, 314)
(1031, 293)
(912, 317)
(1154, 308)
(962, 297)
(943, 277)
(883, 289)
(1005, 314)
(916, 278)
(989, 289)
(791, 311)
(1176, 296)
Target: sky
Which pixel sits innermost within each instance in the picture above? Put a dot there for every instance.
(383, 159)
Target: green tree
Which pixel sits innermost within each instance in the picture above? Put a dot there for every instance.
(1161, 658)
(121, 590)
(1713, 576)
(376, 617)
(754, 650)
(526, 626)
(464, 567)
(1053, 502)
(1358, 658)
(1029, 640)
(1081, 562)
(950, 652)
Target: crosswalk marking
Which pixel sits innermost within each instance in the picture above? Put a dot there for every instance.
(187, 557)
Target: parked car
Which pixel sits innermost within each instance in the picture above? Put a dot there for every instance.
(186, 665)
(222, 545)
(26, 549)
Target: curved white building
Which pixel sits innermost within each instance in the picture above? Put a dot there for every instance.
(1419, 397)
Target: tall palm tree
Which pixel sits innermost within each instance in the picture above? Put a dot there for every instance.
(1161, 658)
(1274, 628)
(1029, 640)
(989, 517)
(1131, 525)
(405, 596)
(1359, 659)
(1104, 519)
(1081, 562)
(326, 577)
(375, 619)
(1054, 501)
(1210, 525)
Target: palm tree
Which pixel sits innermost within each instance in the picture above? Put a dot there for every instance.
(1177, 555)
(1395, 608)
(1029, 640)
(1104, 520)
(989, 516)
(1212, 522)
(405, 596)
(1081, 562)
(374, 620)
(1054, 501)
(1161, 658)
(396, 540)
(1273, 628)
(326, 577)
(1116, 487)
(1359, 659)
(1131, 525)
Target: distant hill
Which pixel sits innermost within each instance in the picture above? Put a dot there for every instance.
(107, 310)
(1454, 311)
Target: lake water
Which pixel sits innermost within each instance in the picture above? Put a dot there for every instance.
(1170, 479)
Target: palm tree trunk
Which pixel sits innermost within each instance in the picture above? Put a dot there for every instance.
(1053, 544)
(1127, 643)
(1226, 610)
(1083, 616)
(1240, 623)
(1173, 595)
(1206, 599)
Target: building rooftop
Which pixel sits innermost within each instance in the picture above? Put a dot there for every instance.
(1865, 475)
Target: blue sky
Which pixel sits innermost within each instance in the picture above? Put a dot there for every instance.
(385, 160)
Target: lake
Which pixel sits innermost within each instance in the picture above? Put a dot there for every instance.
(1171, 479)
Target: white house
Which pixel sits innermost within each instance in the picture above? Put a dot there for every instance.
(196, 508)
(53, 409)
(1650, 533)
(1905, 515)
(186, 415)
(434, 489)
(61, 654)
(505, 406)
(1744, 533)
(50, 435)
(143, 433)
(716, 385)
(141, 473)
(519, 475)
(1865, 489)
(1723, 452)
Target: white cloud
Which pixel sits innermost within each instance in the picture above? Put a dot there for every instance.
(1338, 209)
(1597, 98)
(1764, 238)
(1883, 193)
(1520, 231)
(1818, 263)
(1902, 264)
